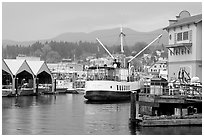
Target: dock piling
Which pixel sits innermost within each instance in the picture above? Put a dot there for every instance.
(37, 84)
(55, 84)
(134, 109)
(16, 84)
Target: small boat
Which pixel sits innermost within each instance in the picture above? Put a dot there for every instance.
(62, 85)
(70, 89)
(44, 88)
(25, 90)
(6, 92)
(80, 90)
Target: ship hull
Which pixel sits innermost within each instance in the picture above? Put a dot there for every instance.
(110, 90)
(107, 95)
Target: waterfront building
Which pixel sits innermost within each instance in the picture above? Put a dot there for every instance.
(185, 45)
(16, 72)
(159, 66)
(68, 70)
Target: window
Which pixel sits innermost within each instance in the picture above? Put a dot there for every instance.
(179, 36)
(170, 37)
(185, 35)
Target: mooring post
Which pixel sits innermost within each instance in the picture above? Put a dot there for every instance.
(37, 83)
(16, 84)
(55, 84)
(133, 107)
(137, 105)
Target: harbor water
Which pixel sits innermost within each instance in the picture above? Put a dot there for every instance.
(71, 114)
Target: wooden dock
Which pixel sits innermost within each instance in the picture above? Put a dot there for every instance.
(165, 110)
(172, 120)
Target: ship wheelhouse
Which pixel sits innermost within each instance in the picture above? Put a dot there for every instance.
(109, 74)
(101, 73)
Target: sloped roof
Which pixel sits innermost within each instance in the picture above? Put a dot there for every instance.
(35, 66)
(38, 66)
(14, 65)
(185, 21)
(5, 67)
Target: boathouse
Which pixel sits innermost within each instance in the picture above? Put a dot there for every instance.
(14, 72)
(185, 45)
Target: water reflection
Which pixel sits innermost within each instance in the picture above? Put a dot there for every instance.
(70, 114)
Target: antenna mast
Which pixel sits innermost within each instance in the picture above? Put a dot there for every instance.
(121, 39)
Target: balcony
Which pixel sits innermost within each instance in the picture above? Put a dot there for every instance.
(179, 45)
(187, 46)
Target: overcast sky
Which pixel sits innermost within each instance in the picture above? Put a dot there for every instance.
(35, 21)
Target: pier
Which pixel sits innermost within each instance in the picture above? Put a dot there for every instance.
(161, 108)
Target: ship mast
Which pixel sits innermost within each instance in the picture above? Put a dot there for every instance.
(121, 40)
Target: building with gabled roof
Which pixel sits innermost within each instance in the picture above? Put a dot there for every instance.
(15, 71)
(185, 45)
(159, 66)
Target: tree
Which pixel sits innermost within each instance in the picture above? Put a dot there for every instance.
(38, 53)
(45, 51)
(53, 57)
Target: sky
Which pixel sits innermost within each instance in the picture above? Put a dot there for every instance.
(23, 21)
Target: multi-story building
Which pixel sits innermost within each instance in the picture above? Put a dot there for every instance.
(185, 45)
(157, 67)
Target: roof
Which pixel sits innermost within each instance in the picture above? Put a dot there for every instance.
(5, 67)
(14, 65)
(38, 66)
(35, 66)
(185, 21)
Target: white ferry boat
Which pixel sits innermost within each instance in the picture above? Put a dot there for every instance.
(112, 82)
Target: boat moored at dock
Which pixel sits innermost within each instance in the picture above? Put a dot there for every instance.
(109, 87)
(114, 81)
